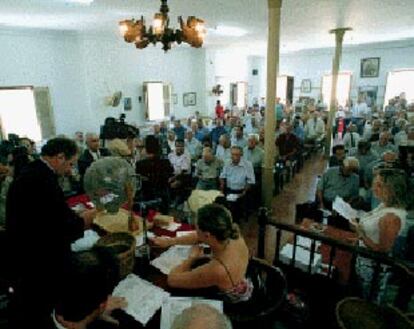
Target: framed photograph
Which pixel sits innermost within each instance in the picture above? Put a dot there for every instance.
(306, 86)
(127, 104)
(370, 67)
(369, 94)
(189, 99)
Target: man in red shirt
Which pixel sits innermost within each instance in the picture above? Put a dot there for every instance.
(219, 110)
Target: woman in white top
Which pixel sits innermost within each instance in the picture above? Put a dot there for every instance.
(379, 229)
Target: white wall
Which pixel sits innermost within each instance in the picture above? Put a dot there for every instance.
(224, 66)
(113, 65)
(82, 70)
(47, 59)
(313, 64)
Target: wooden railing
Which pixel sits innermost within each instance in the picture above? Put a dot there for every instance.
(404, 271)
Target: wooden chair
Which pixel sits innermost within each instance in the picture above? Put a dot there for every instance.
(269, 294)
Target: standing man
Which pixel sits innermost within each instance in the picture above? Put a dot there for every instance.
(359, 113)
(219, 110)
(40, 229)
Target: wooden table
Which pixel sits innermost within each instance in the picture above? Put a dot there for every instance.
(342, 259)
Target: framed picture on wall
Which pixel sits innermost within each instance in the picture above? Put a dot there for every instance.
(306, 86)
(189, 99)
(370, 67)
(127, 104)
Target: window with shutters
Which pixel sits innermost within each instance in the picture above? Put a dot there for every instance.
(157, 98)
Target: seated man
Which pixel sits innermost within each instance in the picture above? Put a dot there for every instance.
(92, 153)
(208, 170)
(223, 151)
(179, 130)
(253, 153)
(83, 292)
(351, 137)
(192, 146)
(338, 155)
(340, 181)
(238, 139)
(314, 127)
(181, 163)
(217, 131)
(201, 316)
(237, 178)
(155, 173)
(383, 145)
(288, 144)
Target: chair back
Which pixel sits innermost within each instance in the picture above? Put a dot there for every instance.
(355, 313)
(269, 294)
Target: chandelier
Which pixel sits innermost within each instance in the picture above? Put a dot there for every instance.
(191, 32)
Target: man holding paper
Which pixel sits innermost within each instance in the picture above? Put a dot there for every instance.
(342, 181)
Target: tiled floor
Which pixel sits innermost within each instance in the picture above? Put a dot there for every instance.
(299, 190)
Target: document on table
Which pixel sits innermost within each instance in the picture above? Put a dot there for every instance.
(344, 209)
(173, 306)
(171, 258)
(144, 299)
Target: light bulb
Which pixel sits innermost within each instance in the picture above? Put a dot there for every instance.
(123, 28)
(158, 24)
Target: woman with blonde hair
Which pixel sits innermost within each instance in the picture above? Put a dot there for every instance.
(379, 229)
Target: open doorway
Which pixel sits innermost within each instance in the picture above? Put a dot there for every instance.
(18, 113)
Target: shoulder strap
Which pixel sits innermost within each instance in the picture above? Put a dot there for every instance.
(227, 270)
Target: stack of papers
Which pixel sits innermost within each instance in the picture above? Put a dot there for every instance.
(171, 258)
(302, 258)
(144, 299)
(173, 306)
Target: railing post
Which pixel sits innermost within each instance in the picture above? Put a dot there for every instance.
(262, 221)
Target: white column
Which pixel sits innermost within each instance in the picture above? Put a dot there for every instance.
(339, 37)
(272, 72)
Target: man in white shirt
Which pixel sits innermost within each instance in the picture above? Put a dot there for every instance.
(181, 162)
(314, 128)
(359, 113)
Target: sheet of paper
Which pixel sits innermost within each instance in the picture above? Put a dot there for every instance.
(173, 306)
(140, 238)
(144, 299)
(302, 258)
(306, 242)
(172, 227)
(184, 233)
(344, 209)
(171, 258)
(89, 239)
(232, 197)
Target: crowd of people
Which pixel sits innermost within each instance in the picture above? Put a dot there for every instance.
(371, 168)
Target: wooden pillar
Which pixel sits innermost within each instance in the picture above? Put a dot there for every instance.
(339, 38)
(272, 72)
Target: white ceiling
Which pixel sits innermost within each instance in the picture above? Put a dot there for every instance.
(305, 23)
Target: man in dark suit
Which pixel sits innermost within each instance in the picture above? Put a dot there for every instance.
(91, 154)
(40, 228)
